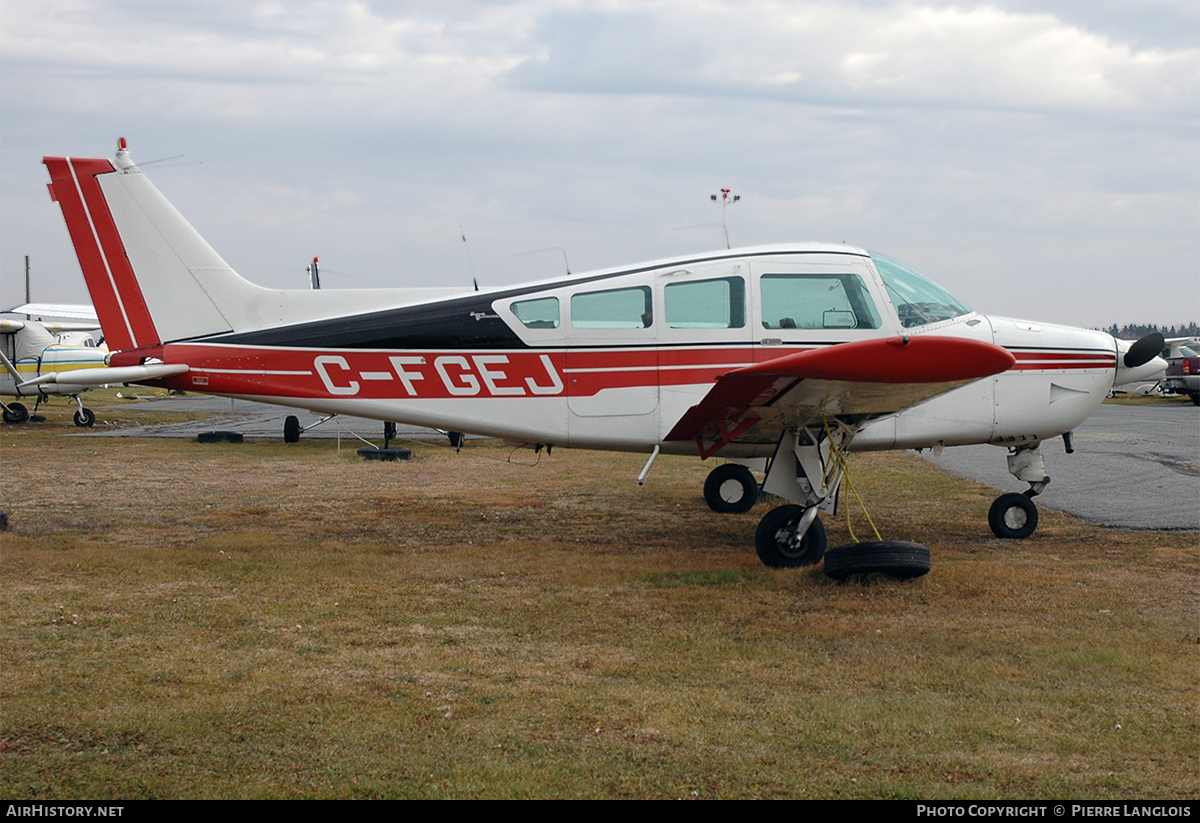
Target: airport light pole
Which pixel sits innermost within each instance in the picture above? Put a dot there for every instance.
(726, 198)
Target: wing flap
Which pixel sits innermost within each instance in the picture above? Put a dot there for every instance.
(869, 378)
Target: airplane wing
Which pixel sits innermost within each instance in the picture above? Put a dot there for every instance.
(10, 326)
(59, 311)
(864, 379)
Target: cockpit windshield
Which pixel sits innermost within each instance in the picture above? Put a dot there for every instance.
(918, 299)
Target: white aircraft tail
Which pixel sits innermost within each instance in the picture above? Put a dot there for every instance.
(153, 279)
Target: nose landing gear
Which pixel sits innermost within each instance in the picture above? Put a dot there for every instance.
(1014, 516)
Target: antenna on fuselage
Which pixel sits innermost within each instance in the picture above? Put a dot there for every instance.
(314, 274)
(566, 262)
(726, 199)
(470, 262)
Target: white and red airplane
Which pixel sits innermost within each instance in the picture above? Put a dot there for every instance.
(777, 358)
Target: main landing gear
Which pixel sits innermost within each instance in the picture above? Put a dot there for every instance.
(808, 468)
(292, 428)
(1014, 516)
(15, 413)
(731, 489)
(790, 536)
(84, 418)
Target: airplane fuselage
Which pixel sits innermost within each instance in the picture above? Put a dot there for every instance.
(55, 358)
(613, 360)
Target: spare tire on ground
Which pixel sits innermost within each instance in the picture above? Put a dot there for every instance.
(219, 437)
(892, 557)
(390, 453)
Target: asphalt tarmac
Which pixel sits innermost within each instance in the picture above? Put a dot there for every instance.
(1134, 467)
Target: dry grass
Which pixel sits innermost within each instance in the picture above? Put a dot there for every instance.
(271, 620)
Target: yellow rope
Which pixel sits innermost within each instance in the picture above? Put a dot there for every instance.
(845, 467)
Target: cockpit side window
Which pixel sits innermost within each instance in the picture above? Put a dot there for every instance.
(918, 300)
(541, 313)
(706, 304)
(616, 309)
(816, 301)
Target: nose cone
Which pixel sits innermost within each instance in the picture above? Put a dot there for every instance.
(1138, 361)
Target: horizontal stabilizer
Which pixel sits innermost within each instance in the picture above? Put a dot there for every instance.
(106, 375)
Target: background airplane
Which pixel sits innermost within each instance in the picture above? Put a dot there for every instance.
(37, 339)
(780, 358)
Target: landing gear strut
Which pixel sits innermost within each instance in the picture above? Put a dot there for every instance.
(805, 471)
(84, 418)
(1013, 516)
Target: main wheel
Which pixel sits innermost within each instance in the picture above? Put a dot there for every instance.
(1013, 516)
(291, 429)
(1196, 398)
(894, 557)
(16, 413)
(85, 418)
(730, 488)
(776, 541)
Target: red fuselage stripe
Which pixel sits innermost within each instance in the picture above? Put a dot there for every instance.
(316, 373)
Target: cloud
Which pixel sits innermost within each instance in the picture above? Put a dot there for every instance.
(847, 55)
(369, 132)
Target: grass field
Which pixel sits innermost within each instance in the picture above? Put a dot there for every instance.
(270, 620)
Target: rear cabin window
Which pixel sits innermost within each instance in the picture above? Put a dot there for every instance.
(616, 309)
(537, 314)
(706, 304)
(816, 301)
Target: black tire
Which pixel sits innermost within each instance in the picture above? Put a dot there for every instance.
(219, 437)
(776, 546)
(897, 558)
(85, 418)
(3, 521)
(390, 453)
(1013, 516)
(291, 429)
(456, 439)
(730, 489)
(1196, 398)
(16, 413)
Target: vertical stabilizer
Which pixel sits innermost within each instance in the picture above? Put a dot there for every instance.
(153, 279)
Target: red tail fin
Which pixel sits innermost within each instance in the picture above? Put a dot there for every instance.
(115, 293)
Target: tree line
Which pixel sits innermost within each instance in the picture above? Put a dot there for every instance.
(1133, 331)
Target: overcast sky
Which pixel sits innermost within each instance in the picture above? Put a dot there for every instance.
(1041, 160)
